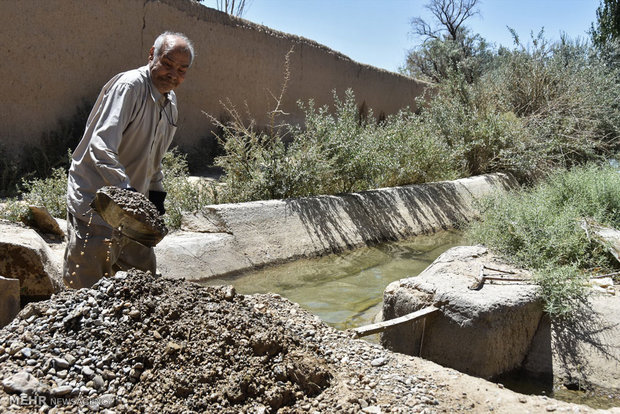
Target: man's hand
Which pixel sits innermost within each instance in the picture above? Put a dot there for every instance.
(157, 198)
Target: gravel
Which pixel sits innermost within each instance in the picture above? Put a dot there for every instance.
(136, 342)
(135, 205)
(139, 343)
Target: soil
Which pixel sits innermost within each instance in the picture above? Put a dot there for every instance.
(141, 343)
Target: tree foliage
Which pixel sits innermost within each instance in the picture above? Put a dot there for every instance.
(447, 48)
(607, 27)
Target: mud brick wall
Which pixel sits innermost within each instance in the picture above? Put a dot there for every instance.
(58, 53)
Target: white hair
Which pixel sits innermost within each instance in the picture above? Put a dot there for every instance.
(161, 40)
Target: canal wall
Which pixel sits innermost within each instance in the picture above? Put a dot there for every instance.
(232, 238)
(59, 53)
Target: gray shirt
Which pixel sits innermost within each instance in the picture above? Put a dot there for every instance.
(127, 134)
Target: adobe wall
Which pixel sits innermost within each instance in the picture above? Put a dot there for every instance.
(56, 53)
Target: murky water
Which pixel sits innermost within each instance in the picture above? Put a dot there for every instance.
(346, 290)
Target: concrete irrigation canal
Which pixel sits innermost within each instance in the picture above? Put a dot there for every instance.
(138, 342)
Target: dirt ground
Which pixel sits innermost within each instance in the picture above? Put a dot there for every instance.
(138, 343)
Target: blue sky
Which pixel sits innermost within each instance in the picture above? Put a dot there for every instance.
(377, 32)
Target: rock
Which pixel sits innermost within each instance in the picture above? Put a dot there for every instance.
(378, 362)
(172, 347)
(608, 237)
(495, 325)
(60, 363)
(61, 391)
(42, 220)
(21, 383)
(108, 375)
(98, 381)
(9, 300)
(585, 354)
(134, 314)
(107, 400)
(70, 359)
(229, 292)
(87, 372)
(24, 255)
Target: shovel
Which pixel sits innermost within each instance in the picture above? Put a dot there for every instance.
(131, 213)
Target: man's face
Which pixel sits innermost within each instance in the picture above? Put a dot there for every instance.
(168, 71)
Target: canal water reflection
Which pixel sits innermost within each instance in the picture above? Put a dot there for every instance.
(346, 290)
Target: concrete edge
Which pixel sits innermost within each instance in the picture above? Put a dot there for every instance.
(262, 233)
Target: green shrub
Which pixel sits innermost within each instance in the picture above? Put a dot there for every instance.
(13, 210)
(333, 153)
(566, 98)
(537, 108)
(465, 118)
(183, 195)
(563, 291)
(47, 192)
(50, 192)
(540, 228)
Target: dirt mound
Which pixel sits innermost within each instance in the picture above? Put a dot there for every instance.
(137, 340)
(138, 343)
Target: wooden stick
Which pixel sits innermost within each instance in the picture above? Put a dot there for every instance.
(498, 270)
(382, 326)
(507, 279)
(607, 275)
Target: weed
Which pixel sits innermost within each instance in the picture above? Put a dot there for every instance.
(183, 195)
(539, 228)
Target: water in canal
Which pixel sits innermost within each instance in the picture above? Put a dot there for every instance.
(345, 290)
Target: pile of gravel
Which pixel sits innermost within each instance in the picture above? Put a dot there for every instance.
(137, 343)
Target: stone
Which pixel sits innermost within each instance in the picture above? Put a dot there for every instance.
(9, 300)
(41, 219)
(107, 400)
(60, 391)
(172, 347)
(378, 362)
(608, 237)
(495, 325)
(25, 256)
(98, 381)
(21, 383)
(88, 372)
(70, 359)
(60, 363)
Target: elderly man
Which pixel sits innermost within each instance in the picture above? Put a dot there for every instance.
(127, 133)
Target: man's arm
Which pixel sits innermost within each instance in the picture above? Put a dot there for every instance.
(117, 111)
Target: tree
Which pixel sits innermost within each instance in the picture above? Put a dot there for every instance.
(233, 7)
(450, 14)
(448, 48)
(607, 24)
